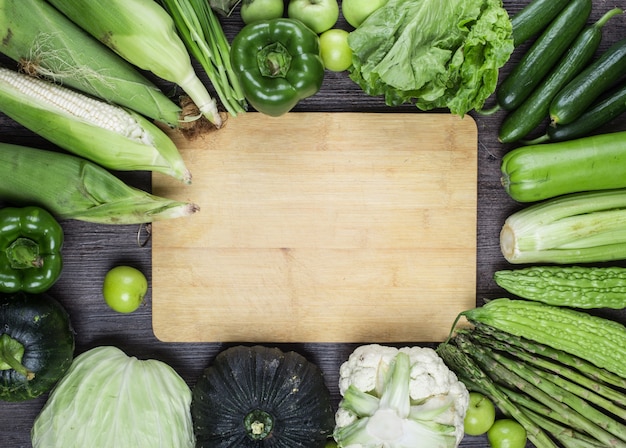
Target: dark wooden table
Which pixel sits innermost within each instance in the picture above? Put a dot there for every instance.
(90, 250)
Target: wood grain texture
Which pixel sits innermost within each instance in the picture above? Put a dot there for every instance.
(320, 227)
(91, 249)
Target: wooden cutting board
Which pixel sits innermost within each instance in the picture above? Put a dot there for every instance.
(320, 227)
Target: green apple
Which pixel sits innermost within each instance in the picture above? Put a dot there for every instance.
(507, 433)
(480, 415)
(255, 10)
(356, 11)
(319, 15)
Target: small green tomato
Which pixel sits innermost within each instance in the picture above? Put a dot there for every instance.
(335, 51)
(124, 288)
(507, 433)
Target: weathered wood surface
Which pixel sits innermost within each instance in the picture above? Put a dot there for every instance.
(90, 250)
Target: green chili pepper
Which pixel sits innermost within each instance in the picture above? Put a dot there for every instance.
(30, 250)
(278, 63)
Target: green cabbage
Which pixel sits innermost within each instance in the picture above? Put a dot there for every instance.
(437, 53)
(110, 400)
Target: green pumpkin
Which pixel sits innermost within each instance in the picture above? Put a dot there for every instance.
(261, 397)
(36, 345)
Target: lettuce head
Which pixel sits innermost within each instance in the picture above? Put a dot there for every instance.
(435, 53)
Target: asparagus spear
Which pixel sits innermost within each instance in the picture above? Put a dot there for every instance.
(476, 379)
(568, 437)
(515, 377)
(510, 344)
(565, 358)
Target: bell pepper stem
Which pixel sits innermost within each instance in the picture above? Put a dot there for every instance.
(11, 353)
(23, 253)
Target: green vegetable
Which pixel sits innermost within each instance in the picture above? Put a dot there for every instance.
(563, 363)
(144, 34)
(30, 250)
(261, 397)
(438, 54)
(278, 63)
(545, 417)
(478, 380)
(73, 188)
(36, 345)
(541, 171)
(108, 399)
(545, 52)
(589, 85)
(573, 286)
(534, 109)
(577, 228)
(399, 397)
(598, 340)
(573, 410)
(109, 135)
(46, 43)
(202, 33)
(600, 113)
(534, 18)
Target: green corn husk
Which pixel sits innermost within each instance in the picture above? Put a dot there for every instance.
(47, 43)
(101, 132)
(144, 34)
(73, 188)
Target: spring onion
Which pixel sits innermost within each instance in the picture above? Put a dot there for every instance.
(204, 37)
(143, 33)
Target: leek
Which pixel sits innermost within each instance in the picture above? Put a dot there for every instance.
(101, 132)
(576, 228)
(143, 33)
(70, 187)
(48, 44)
(204, 37)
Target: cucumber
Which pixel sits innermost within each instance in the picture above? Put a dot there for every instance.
(534, 17)
(572, 286)
(535, 108)
(543, 55)
(536, 172)
(605, 110)
(589, 85)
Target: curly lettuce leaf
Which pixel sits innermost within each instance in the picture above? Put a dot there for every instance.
(436, 53)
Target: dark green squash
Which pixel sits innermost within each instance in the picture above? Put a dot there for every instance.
(36, 345)
(261, 397)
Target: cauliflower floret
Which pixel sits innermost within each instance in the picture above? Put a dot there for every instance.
(382, 390)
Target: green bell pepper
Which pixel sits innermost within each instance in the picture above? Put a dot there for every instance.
(30, 250)
(278, 63)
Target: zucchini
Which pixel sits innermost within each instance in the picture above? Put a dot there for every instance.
(535, 108)
(572, 286)
(536, 172)
(598, 340)
(543, 55)
(600, 76)
(534, 17)
(602, 112)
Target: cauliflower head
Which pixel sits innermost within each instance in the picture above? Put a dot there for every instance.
(399, 398)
